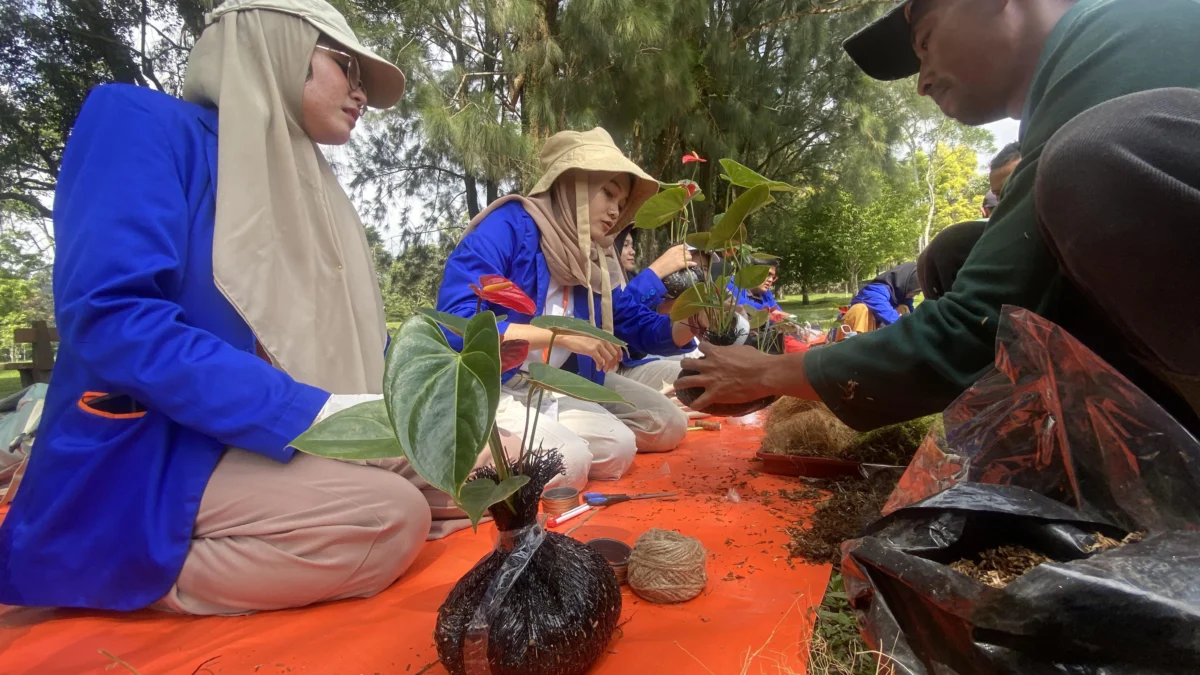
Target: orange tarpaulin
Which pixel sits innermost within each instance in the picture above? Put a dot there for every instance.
(754, 616)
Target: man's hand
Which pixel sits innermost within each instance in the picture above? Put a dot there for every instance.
(675, 259)
(606, 355)
(740, 374)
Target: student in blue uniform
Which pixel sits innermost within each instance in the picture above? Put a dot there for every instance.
(646, 287)
(760, 297)
(556, 245)
(881, 302)
(215, 295)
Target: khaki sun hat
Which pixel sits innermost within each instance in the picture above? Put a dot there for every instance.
(593, 151)
(382, 80)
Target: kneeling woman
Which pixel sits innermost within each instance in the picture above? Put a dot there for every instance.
(881, 302)
(556, 245)
(215, 295)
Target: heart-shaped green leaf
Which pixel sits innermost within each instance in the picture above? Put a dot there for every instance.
(571, 384)
(698, 240)
(757, 317)
(661, 208)
(570, 325)
(454, 323)
(477, 495)
(748, 202)
(361, 432)
(690, 301)
(751, 277)
(442, 403)
(743, 176)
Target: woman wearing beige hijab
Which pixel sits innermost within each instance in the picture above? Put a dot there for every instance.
(557, 246)
(215, 296)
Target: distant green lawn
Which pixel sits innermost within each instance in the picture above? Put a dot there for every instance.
(10, 381)
(822, 307)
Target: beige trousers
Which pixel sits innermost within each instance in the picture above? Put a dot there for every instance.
(598, 441)
(659, 375)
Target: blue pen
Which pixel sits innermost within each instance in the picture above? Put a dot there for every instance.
(601, 499)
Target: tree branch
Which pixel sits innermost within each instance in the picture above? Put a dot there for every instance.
(28, 200)
(741, 37)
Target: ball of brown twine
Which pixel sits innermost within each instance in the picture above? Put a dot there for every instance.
(667, 567)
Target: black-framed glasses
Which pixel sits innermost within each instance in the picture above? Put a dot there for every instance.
(349, 65)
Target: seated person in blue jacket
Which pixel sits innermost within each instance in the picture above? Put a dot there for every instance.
(556, 245)
(760, 297)
(647, 288)
(882, 301)
(215, 295)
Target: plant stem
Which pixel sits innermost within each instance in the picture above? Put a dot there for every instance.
(499, 457)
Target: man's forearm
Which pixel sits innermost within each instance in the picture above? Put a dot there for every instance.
(788, 379)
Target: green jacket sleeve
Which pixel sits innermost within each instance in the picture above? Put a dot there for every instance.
(1102, 49)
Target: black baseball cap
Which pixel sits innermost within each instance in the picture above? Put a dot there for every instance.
(883, 50)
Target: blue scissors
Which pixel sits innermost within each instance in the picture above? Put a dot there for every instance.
(601, 499)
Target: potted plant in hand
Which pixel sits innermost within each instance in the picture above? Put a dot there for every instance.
(541, 602)
(713, 295)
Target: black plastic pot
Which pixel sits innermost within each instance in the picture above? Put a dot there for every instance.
(689, 395)
(678, 282)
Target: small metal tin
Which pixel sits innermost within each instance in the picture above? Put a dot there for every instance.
(557, 501)
(616, 553)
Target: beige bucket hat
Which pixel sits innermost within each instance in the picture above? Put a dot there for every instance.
(382, 80)
(593, 151)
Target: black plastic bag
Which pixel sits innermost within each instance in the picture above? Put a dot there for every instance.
(1049, 451)
(540, 604)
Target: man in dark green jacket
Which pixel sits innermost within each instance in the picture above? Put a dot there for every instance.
(1098, 228)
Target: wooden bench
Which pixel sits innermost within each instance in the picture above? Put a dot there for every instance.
(42, 337)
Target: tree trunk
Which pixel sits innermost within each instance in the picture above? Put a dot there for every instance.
(472, 197)
(493, 191)
(804, 294)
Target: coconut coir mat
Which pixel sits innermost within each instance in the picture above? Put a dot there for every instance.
(755, 608)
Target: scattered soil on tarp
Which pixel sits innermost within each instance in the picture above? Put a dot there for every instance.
(1000, 566)
(808, 428)
(852, 506)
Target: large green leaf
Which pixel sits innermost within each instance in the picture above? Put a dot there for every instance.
(743, 176)
(571, 384)
(477, 495)
(751, 277)
(748, 202)
(361, 432)
(454, 323)
(570, 325)
(661, 208)
(442, 403)
(757, 317)
(698, 240)
(690, 302)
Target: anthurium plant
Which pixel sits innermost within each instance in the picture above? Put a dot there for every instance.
(742, 266)
(439, 404)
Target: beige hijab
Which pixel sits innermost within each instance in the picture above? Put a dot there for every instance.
(289, 251)
(576, 166)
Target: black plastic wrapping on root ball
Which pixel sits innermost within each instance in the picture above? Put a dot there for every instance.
(559, 614)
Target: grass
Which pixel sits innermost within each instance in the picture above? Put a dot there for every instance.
(822, 307)
(10, 381)
(836, 647)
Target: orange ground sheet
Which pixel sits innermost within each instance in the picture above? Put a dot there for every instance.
(754, 617)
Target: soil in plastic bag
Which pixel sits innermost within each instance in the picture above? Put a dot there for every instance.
(1014, 544)
(560, 612)
(688, 396)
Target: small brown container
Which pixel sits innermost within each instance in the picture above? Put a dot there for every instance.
(616, 553)
(557, 501)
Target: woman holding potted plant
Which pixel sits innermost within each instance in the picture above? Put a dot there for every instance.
(556, 246)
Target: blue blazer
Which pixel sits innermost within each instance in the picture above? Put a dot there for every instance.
(508, 243)
(743, 297)
(156, 373)
(877, 296)
(646, 288)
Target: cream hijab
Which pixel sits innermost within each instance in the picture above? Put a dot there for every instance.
(576, 166)
(289, 251)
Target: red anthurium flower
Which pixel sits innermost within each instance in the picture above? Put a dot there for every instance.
(693, 156)
(691, 188)
(498, 290)
(512, 354)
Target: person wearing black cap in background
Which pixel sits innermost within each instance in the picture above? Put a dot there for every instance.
(1099, 217)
